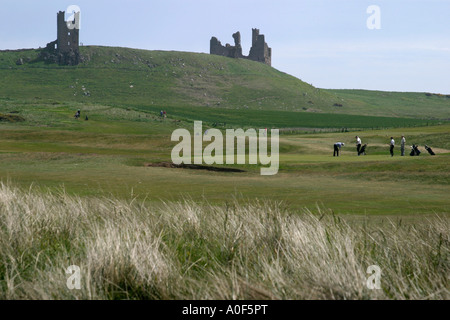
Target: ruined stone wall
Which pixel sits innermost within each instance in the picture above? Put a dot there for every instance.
(259, 51)
(217, 48)
(235, 51)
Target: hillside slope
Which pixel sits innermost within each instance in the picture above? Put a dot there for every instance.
(396, 104)
(139, 77)
(161, 79)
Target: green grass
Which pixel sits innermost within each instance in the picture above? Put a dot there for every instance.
(79, 192)
(128, 88)
(11, 118)
(183, 82)
(138, 77)
(286, 119)
(396, 104)
(107, 155)
(103, 118)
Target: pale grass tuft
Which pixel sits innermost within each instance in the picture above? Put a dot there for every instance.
(187, 250)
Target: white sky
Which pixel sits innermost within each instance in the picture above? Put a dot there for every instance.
(323, 42)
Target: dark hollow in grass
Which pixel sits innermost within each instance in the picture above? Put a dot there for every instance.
(11, 118)
(192, 166)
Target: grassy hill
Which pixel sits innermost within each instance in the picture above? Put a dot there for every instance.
(139, 77)
(205, 87)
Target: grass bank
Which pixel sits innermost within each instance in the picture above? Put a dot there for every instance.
(187, 250)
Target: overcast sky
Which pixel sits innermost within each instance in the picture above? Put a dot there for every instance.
(324, 42)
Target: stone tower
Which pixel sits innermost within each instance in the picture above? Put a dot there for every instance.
(68, 41)
(65, 50)
(67, 44)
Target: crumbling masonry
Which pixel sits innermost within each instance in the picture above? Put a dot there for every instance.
(259, 51)
(65, 50)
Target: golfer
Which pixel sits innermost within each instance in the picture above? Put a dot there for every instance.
(358, 144)
(337, 147)
(392, 144)
(402, 146)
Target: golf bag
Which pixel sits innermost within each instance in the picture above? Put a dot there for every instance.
(414, 150)
(362, 150)
(430, 151)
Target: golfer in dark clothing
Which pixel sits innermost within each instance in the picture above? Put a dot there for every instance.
(337, 147)
(392, 144)
(358, 145)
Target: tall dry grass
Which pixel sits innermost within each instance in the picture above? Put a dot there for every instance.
(186, 250)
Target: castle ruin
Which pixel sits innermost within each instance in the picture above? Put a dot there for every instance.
(259, 51)
(65, 49)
